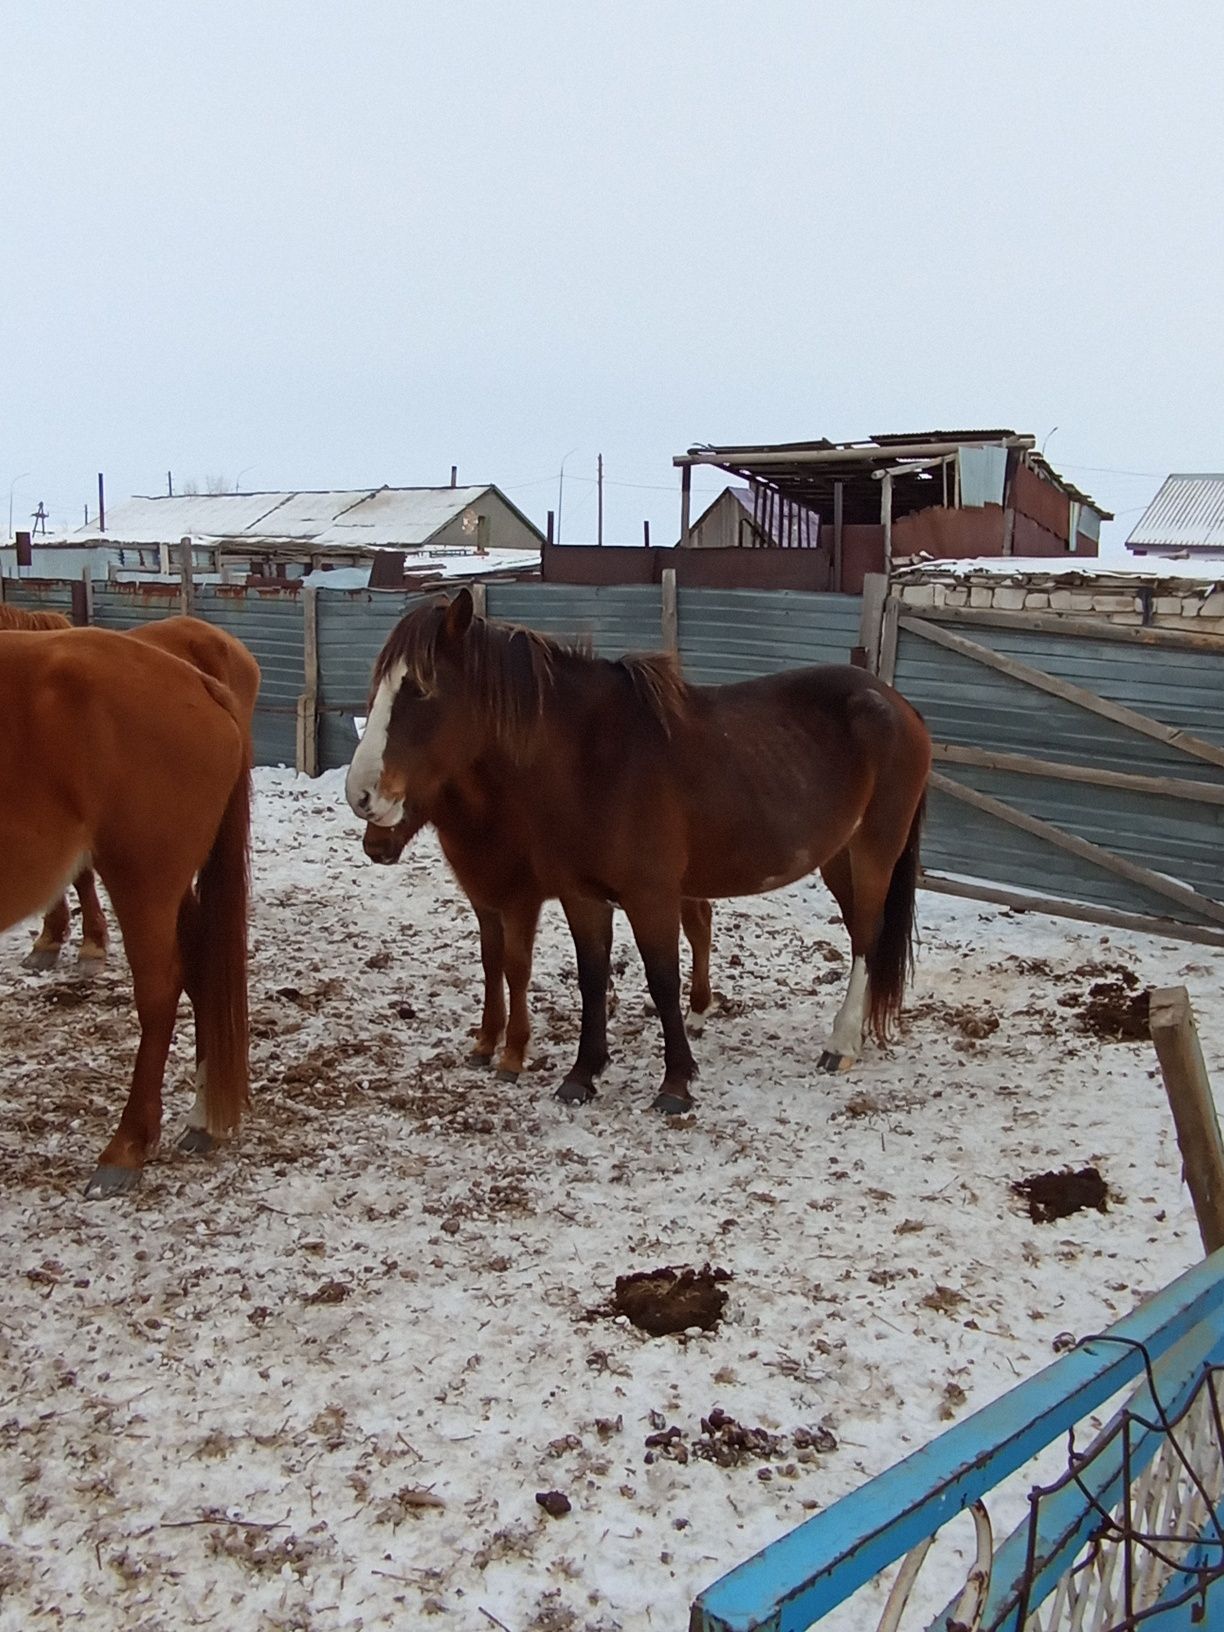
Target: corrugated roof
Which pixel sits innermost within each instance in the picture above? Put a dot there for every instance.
(360, 518)
(1187, 514)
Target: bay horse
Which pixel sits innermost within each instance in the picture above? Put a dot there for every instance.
(123, 756)
(622, 784)
(507, 901)
(211, 651)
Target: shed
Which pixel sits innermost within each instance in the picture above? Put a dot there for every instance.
(1185, 520)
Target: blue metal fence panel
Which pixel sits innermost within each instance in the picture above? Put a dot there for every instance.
(39, 594)
(737, 634)
(353, 625)
(269, 624)
(970, 705)
(128, 606)
(615, 618)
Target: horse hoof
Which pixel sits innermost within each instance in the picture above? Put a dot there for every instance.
(505, 1074)
(112, 1181)
(90, 963)
(574, 1092)
(197, 1142)
(695, 1024)
(829, 1061)
(482, 1061)
(671, 1103)
(40, 960)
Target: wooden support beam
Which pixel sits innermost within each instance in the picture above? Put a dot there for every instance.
(1058, 907)
(308, 702)
(1054, 623)
(888, 640)
(871, 618)
(1183, 741)
(686, 501)
(480, 599)
(186, 568)
(1082, 849)
(670, 611)
(1171, 1020)
(1162, 787)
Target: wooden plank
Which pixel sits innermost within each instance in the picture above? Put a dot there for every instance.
(1165, 787)
(1058, 907)
(888, 640)
(670, 611)
(871, 618)
(1183, 741)
(1081, 848)
(1054, 623)
(1189, 1089)
(308, 703)
(480, 599)
(186, 578)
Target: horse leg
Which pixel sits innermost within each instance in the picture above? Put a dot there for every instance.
(590, 924)
(846, 1041)
(493, 1016)
(44, 954)
(519, 931)
(697, 920)
(656, 929)
(93, 921)
(150, 936)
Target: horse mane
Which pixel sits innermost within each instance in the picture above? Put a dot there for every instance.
(513, 671)
(16, 617)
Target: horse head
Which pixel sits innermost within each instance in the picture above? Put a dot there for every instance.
(420, 731)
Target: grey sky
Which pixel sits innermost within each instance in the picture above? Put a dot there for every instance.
(345, 244)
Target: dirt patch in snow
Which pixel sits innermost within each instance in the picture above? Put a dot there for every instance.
(676, 1299)
(1050, 1196)
(1114, 1008)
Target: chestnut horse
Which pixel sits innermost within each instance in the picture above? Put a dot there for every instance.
(507, 903)
(212, 652)
(46, 949)
(126, 757)
(620, 783)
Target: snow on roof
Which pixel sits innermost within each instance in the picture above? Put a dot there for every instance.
(1068, 566)
(432, 564)
(1187, 513)
(361, 518)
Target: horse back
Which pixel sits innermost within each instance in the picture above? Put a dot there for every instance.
(212, 652)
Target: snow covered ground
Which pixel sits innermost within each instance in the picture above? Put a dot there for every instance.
(318, 1381)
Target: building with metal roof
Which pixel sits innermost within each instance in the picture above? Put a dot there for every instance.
(1185, 520)
(946, 494)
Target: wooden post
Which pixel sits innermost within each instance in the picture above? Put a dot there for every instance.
(671, 616)
(186, 578)
(87, 593)
(875, 593)
(1198, 1132)
(482, 535)
(480, 599)
(886, 509)
(686, 499)
(838, 505)
(889, 629)
(308, 702)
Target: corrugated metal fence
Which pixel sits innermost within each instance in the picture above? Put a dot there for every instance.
(721, 635)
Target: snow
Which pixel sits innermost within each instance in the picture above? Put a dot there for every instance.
(1064, 566)
(365, 1325)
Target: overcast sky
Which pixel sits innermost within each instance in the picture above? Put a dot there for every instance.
(303, 244)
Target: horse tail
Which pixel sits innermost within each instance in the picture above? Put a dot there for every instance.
(213, 945)
(890, 963)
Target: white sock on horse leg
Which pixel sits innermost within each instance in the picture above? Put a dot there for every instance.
(847, 1038)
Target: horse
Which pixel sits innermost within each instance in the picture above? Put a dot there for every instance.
(212, 652)
(124, 756)
(621, 784)
(507, 905)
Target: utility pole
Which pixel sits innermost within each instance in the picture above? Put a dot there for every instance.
(599, 490)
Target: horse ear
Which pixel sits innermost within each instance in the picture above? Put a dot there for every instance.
(458, 616)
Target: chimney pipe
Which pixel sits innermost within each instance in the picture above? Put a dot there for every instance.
(101, 505)
(454, 475)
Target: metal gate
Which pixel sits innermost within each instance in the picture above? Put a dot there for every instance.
(1079, 767)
